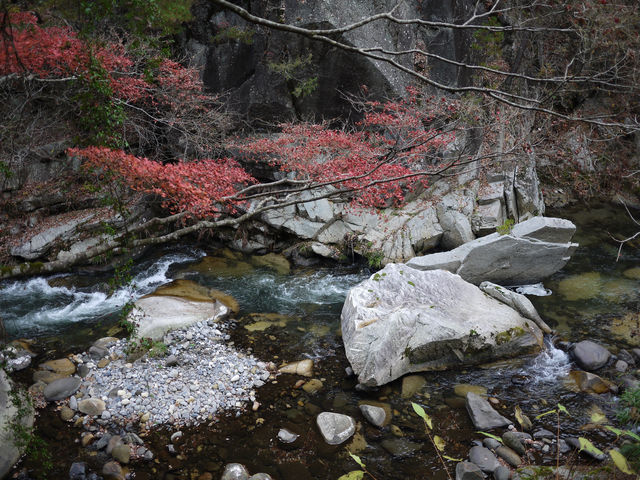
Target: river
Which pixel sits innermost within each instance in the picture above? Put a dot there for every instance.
(593, 297)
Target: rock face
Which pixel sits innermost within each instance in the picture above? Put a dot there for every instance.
(9, 451)
(156, 315)
(534, 250)
(405, 320)
(237, 63)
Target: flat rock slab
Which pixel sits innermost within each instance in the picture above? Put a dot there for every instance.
(531, 252)
(483, 415)
(157, 315)
(62, 388)
(403, 320)
(335, 427)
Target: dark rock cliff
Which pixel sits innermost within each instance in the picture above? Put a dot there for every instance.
(235, 55)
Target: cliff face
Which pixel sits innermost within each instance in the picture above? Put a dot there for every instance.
(238, 58)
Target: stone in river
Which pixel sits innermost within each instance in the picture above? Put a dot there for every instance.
(303, 367)
(121, 453)
(462, 389)
(483, 458)
(509, 456)
(91, 406)
(375, 415)
(411, 384)
(512, 440)
(335, 427)
(468, 471)
(61, 388)
(235, 471)
(590, 355)
(112, 471)
(483, 415)
(63, 366)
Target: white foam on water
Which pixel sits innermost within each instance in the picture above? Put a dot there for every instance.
(537, 289)
(550, 365)
(34, 306)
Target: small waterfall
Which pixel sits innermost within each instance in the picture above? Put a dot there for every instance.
(551, 365)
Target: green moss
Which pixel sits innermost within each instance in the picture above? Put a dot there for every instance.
(5, 269)
(508, 335)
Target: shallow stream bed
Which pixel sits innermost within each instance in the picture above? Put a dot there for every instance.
(288, 316)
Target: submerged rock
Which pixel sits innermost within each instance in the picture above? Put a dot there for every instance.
(405, 320)
(235, 471)
(303, 368)
(532, 251)
(468, 471)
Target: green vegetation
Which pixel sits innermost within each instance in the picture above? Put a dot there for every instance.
(294, 71)
(489, 43)
(506, 227)
(629, 411)
(357, 474)
(5, 170)
(101, 116)
(33, 446)
(233, 33)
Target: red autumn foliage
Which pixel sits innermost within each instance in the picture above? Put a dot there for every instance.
(198, 188)
(393, 150)
(377, 164)
(50, 52)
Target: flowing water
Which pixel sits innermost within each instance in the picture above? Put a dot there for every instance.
(290, 316)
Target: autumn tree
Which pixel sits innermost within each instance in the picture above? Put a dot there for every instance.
(135, 106)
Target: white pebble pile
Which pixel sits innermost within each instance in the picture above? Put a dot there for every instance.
(199, 376)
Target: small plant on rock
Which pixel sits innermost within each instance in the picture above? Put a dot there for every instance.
(506, 227)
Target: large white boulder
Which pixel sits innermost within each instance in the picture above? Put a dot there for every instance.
(532, 251)
(405, 320)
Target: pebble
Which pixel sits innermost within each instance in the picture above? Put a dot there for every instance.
(171, 390)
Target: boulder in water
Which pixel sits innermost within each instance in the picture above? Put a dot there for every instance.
(405, 320)
(532, 251)
(156, 315)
